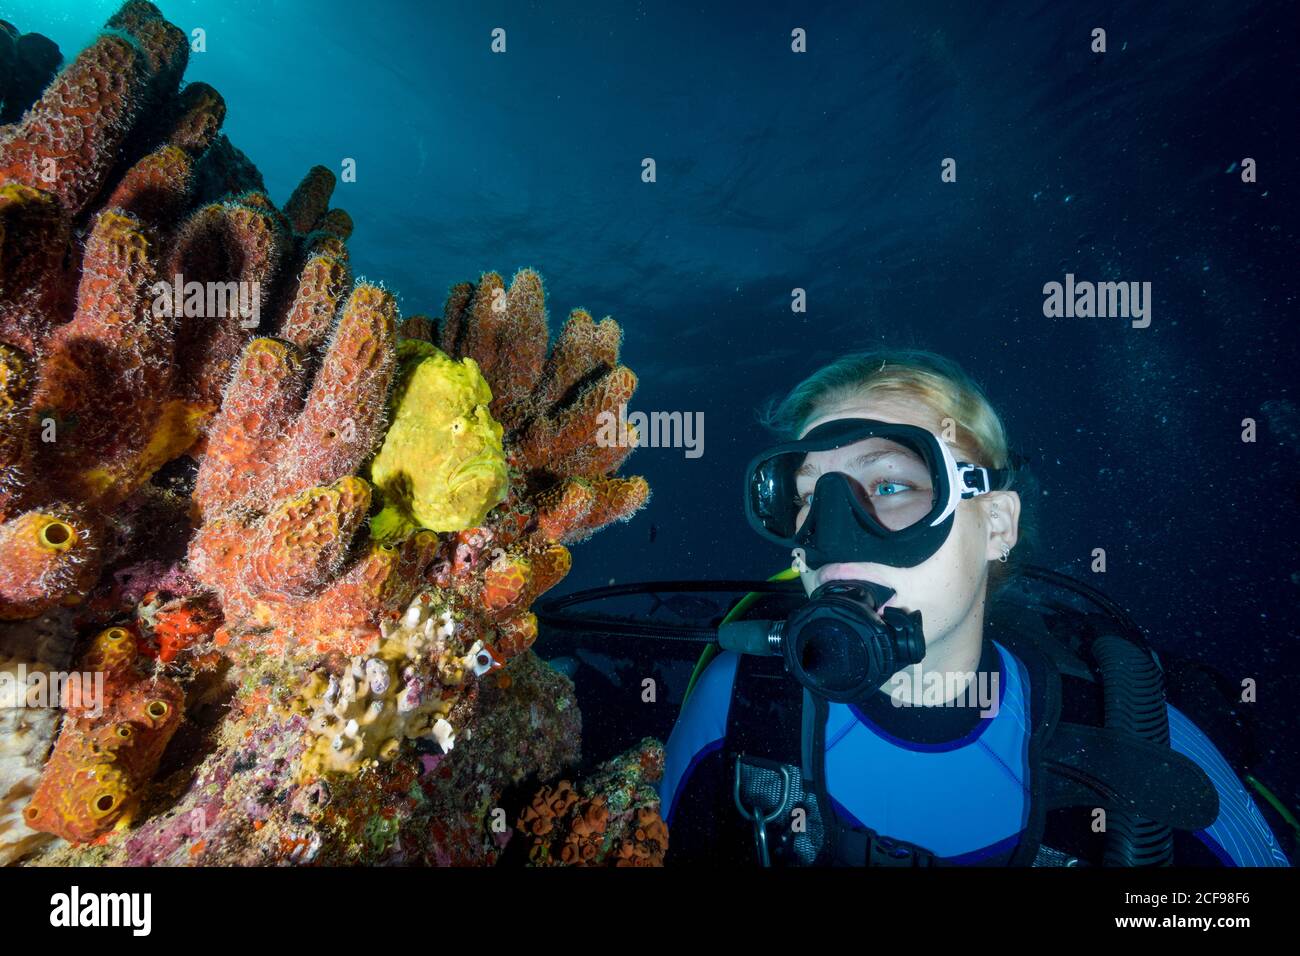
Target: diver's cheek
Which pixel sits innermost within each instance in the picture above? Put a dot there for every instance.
(962, 555)
(937, 588)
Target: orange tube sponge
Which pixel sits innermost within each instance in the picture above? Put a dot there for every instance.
(343, 616)
(243, 446)
(47, 557)
(554, 402)
(310, 200)
(165, 47)
(155, 189)
(565, 507)
(73, 135)
(506, 336)
(577, 507)
(105, 378)
(248, 235)
(67, 141)
(343, 417)
(34, 282)
(336, 223)
(200, 111)
(506, 582)
(280, 500)
(107, 372)
(322, 285)
(300, 545)
(102, 762)
(549, 567)
(617, 499)
(566, 443)
(515, 635)
(584, 348)
(269, 442)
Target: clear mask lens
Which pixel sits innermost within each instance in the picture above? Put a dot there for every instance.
(890, 480)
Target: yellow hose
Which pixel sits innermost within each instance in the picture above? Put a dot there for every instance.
(711, 651)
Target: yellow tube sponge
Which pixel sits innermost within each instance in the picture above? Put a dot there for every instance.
(441, 465)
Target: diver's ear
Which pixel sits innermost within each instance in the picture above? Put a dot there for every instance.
(1002, 517)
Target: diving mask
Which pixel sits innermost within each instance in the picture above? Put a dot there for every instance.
(887, 496)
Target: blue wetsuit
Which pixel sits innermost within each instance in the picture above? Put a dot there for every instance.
(959, 790)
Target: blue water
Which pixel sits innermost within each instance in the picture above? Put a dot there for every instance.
(821, 171)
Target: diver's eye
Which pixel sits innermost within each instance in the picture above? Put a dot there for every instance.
(895, 487)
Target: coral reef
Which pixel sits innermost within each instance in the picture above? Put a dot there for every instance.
(299, 535)
(245, 803)
(176, 628)
(406, 690)
(610, 819)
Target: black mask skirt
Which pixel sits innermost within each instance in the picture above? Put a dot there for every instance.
(893, 503)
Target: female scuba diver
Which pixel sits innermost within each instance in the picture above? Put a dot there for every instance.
(891, 719)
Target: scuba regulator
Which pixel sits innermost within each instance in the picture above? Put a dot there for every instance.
(839, 644)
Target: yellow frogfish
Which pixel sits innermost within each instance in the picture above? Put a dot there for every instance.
(441, 465)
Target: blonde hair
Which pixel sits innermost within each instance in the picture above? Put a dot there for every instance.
(939, 383)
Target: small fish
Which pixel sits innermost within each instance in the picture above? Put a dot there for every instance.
(654, 532)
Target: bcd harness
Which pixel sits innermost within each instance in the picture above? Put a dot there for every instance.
(1121, 763)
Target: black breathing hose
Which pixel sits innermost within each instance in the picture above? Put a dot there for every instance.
(552, 613)
(1133, 694)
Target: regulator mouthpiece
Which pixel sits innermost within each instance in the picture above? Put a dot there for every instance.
(838, 645)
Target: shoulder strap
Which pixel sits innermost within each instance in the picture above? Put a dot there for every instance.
(762, 760)
(1044, 712)
(847, 845)
(765, 714)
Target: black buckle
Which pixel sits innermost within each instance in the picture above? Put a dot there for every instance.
(886, 851)
(964, 470)
(865, 847)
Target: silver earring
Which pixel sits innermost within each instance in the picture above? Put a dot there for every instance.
(993, 513)
(1005, 551)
